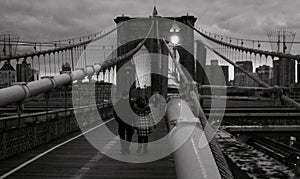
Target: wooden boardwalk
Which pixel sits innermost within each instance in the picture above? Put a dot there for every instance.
(79, 159)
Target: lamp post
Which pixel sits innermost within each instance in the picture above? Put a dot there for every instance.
(175, 38)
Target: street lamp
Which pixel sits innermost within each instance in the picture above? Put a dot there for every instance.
(175, 34)
(175, 40)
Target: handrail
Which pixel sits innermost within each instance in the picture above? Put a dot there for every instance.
(17, 93)
(191, 95)
(194, 159)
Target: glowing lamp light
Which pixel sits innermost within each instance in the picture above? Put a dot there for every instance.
(175, 33)
(175, 39)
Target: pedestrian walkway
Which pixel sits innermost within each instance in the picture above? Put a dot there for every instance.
(79, 159)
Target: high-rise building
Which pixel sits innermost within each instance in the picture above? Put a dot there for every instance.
(283, 69)
(225, 70)
(240, 78)
(265, 73)
(200, 62)
(24, 72)
(284, 72)
(216, 75)
(7, 75)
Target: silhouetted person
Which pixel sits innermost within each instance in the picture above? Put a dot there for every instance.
(143, 122)
(124, 118)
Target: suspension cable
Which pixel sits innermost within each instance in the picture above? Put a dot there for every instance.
(245, 49)
(61, 48)
(247, 39)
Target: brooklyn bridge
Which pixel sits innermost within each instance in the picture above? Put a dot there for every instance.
(222, 107)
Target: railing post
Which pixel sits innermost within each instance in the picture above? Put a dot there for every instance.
(19, 132)
(35, 135)
(65, 126)
(19, 112)
(47, 104)
(4, 145)
(72, 58)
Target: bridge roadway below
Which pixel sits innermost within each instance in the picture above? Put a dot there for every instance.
(75, 157)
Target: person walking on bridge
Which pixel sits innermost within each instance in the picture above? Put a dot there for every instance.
(124, 116)
(144, 123)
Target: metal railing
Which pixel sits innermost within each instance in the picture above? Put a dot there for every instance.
(194, 158)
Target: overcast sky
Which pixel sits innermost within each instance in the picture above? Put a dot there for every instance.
(56, 19)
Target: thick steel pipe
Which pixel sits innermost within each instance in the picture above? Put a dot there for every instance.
(193, 157)
(78, 74)
(62, 79)
(40, 86)
(13, 94)
(17, 93)
(90, 70)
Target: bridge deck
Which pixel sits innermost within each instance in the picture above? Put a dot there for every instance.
(79, 159)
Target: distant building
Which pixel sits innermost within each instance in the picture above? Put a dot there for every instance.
(246, 65)
(200, 61)
(35, 75)
(284, 72)
(225, 70)
(240, 78)
(283, 69)
(24, 72)
(217, 75)
(7, 75)
(265, 73)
